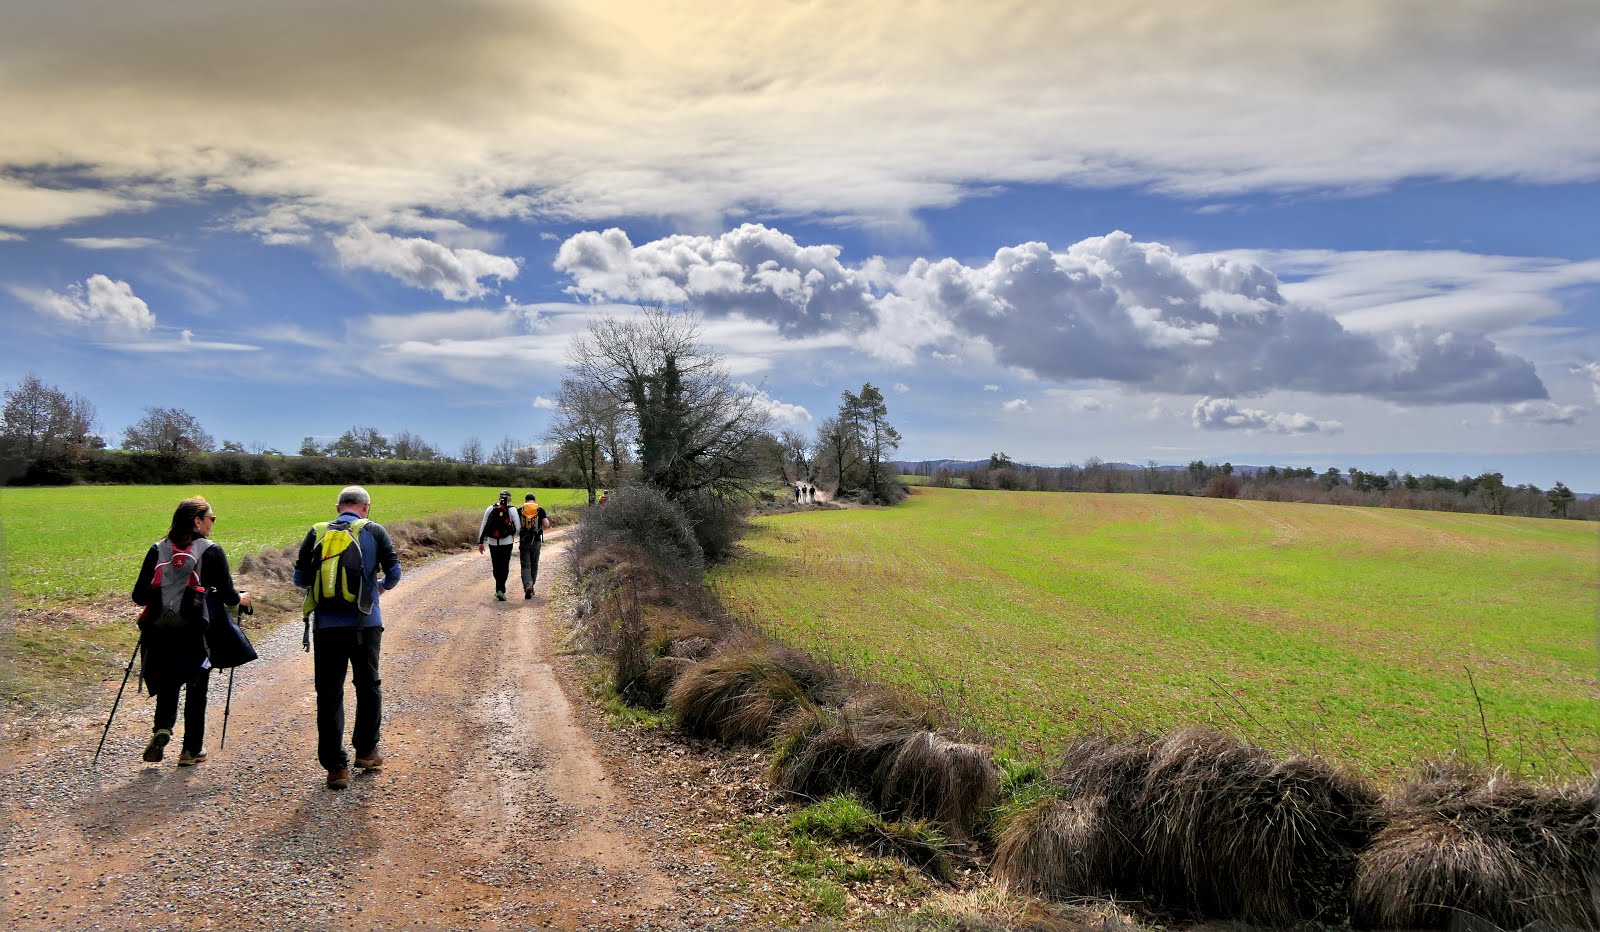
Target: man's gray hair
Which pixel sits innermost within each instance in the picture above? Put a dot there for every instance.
(355, 495)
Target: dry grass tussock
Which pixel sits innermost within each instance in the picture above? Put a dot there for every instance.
(1198, 823)
(1472, 850)
(741, 693)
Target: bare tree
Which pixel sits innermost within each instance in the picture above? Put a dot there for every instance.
(363, 442)
(41, 421)
(172, 431)
(582, 412)
(472, 451)
(409, 446)
(696, 429)
(504, 452)
(796, 456)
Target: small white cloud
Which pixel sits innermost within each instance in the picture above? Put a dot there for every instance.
(782, 412)
(456, 274)
(543, 403)
(6, 236)
(111, 242)
(901, 387)
(548, 236)
(1017, 404)
(1537, 412)
(949, 357)
(97, 301)
(285, 239)
(1591, 371)
(185, 343)
(1225, 414)
(991, 387)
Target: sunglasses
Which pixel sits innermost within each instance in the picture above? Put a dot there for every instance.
(209, 517)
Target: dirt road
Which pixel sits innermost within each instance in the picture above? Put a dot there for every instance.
(496, 808)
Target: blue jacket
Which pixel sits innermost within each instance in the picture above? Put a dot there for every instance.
(377, 550)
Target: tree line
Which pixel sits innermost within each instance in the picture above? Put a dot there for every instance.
(1486, 493)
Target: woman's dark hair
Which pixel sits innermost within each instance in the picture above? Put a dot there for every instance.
(182, 532)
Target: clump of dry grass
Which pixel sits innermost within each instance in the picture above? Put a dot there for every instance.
(1197, 822)
(740, 694)
(932, 777)
(1463, 850)
(1085, 837)
(1232, 832)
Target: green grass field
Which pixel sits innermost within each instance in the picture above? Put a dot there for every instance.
(1345, 631)
(83, 543)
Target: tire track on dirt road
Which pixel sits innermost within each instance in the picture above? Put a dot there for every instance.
(495, 808)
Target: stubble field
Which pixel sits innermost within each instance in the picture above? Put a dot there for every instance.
(1370, 636)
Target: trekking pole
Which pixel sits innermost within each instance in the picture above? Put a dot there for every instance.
(125, 674)
(228, 703)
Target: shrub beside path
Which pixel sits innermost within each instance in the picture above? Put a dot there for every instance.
(496, 808)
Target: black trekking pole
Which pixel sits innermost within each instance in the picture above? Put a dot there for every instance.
(125, 674)
(228, 703)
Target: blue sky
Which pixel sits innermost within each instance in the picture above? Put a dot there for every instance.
(1327, 234)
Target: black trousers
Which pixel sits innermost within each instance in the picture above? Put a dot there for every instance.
(529, 552)
(194, 710)
(355, 649)
(500, 560)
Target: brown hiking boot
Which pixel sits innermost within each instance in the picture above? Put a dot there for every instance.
(373, 761)
(186, 759)
(157, 748)
(338, 779)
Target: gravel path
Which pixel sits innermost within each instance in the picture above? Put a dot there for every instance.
(505, 803)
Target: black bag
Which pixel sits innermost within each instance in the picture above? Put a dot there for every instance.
(499, 523)
(226, 641)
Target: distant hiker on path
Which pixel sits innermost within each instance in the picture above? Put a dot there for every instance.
(183, 579)
(499, 527)
(534, 521)
(338, 566)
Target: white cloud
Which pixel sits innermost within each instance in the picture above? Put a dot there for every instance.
(33, 208)
(1225, 414)
(6, 236)
(543, 403)
(773, 113)
(185, 343)
(454, 273)
(1537, 412)
(100, 300)
(991, 387)
(111, 242)
(901, 387)
(1591, 371)
(779, 411)
(1016, 404)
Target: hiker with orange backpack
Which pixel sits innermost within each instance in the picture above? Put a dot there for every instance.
(499, 528)
(184, 577)
(534, 522)
(338, 567)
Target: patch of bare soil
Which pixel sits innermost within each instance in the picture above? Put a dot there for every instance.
(506, 802)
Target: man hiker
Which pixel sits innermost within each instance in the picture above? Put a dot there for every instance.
(338, 566)
(499, 527)
(534, 521)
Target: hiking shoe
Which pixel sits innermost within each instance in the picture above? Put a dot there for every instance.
(527, 593)
(500, 595)
(157, 748)
(373, 761)
(338, 779)
(185, 759)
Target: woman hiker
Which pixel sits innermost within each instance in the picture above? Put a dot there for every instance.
(175, 655)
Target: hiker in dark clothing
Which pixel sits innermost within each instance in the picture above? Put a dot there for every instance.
(534, 522)
(499, 527)
(348, 638)
(175, 658)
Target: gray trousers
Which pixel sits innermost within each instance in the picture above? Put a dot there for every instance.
(530, 560)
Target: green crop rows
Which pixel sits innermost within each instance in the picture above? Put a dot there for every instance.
(1344, 631)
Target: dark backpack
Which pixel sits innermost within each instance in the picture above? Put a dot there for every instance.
(499, 523)
(177, 581)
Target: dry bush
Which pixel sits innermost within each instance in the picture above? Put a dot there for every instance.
(948, 782)
(1084, 839)
(663, 673)
(1465, 850)
(1232, 833)
(827, 751)
(672, 624)
(695, 648)
(740, 694)
(643, 518)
